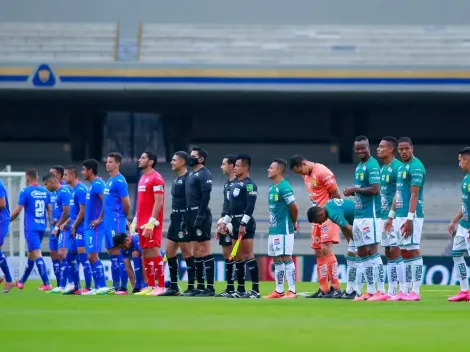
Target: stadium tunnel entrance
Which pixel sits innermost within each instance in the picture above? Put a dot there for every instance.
(80, 117)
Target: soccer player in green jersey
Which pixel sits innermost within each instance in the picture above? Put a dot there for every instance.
(367, 222)
(283, 214)
(408, 208)
(388, 185)
(459, 227)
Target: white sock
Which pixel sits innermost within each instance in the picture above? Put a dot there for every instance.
(408, 278)
(392, 277)
(400, 274)
(279, 272)
(460, 268)
(359, 276)
(417, 273)
(351, 274)
(290, 274)
(379, 273)
(369, 274)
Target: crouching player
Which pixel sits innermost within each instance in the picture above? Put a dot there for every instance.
(340, 212)
(130, 250)
(282, 224)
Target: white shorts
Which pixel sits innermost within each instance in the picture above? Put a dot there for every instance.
(280, 245)
(461, 243)
(389, 239)
(366, 231)
(414, 241)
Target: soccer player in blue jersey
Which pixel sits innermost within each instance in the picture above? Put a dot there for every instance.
(76, 220)
(94, 227)
(58, 171)
(66, 243)
(35, 200)
(4, 226)
(116, 209)
(130, 249)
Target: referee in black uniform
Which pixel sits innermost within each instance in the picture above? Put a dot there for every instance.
(227, 167)
(198, 222)
(175, 237)
(243, 195)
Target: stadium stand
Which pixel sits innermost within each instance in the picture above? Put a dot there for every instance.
(95, 42)
(302, 45)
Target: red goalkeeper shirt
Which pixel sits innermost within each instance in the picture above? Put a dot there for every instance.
(149, 185)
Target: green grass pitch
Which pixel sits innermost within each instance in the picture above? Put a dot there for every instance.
(34, 321)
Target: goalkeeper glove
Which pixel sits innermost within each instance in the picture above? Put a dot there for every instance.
(133, 225)
(151, 224)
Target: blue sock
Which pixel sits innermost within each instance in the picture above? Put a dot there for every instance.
(123, 272)
(27, 271)
(41, 265)
(64, 273)
(5, 268)
(115, 272)
(100, 279)
(56, 267)
(138, 272)
(70, 277)
(86, 269)
(73, 269)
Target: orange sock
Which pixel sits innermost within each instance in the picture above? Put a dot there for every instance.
(322, 273)
(332, 265)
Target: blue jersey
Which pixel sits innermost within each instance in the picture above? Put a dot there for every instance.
(78, 198)
(135, 246)
(35, 200)
(116, 188)
(5, 212)
(63, 198)
(94, 204)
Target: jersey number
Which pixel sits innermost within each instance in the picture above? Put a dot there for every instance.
(39, 208)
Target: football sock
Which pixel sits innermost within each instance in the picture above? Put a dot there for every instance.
(229, 275)
(360, 277)
(392, 277)
(98, 274)
(86, 269)
(173, 268)
(254, 273)
(322, 273)
(137, 261)
(351, 274)
(332, 267)
(42, 269)
(290, 274)
(279, 272)
(123, 273)
(209, 268)
(461, 272)
(64, 273)
(72, 263)
(379, 273)
(408, 276)
(4, 267)
(369, 274)
(115, 272)
(199, 268)
(149, 264)
(159, 272)
(27, 271)
(400, 274)
(191, 272)
(241, 273)
(417, 272)
(56, 267)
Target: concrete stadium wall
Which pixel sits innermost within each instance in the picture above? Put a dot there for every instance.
(432, 12)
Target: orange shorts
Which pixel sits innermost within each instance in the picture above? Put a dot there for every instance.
(326, 232)
(155, 240)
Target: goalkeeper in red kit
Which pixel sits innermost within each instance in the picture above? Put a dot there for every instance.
(149, 223)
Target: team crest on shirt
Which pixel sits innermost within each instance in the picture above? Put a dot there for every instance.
(404, 174)
(236, 192)
(468, 188)
(276, 197)
(387, 178)
(361, 176)
(314, 183)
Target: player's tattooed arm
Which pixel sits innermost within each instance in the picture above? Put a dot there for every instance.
(79, 219)
(372, 190)
(65, 215)
(454, 222)
(16, 212)
(407, 227)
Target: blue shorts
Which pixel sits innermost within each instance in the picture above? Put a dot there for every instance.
(3, 233)
(53, 241)
(80, 239)
(113, 228)
(94, 240)
(67, 241)
(33, 239)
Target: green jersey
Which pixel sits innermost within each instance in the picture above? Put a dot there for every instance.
(280, 197)
(388, 186)
(465, 202)
(367, 174)
(410, 174)
(340, 211)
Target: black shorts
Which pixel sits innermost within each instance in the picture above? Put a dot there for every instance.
(250, 228)
(225, 240)
(205, 234)
(174, 233)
